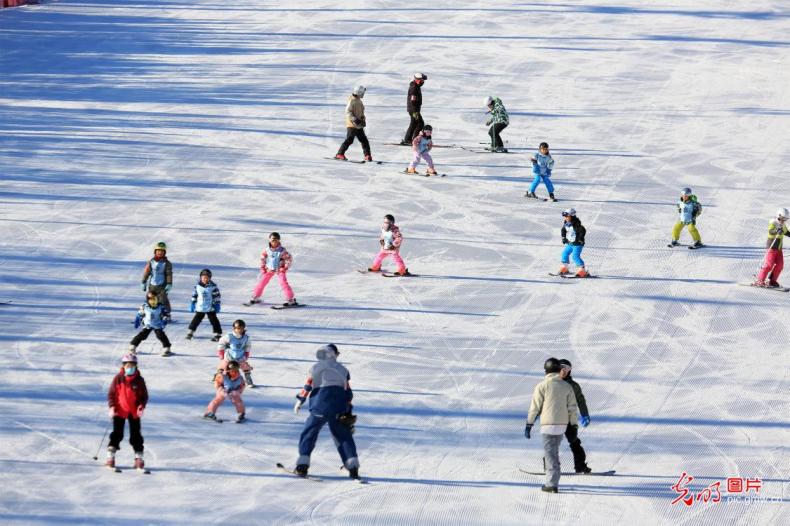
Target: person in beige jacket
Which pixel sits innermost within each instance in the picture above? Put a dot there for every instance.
(554, 401)
(355, 125)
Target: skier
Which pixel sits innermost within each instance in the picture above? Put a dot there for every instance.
(274, 260)
(773, 262)
(688, 209)
(330, 395)
(229, 385)
(391, 240)
(153, 316)
(420, 146)
(572, 233)
(542, 165)
(572, 431)
(236, 347)
(127, 398)
(355, 124)
(498, 121)
(205, 301)
(158, 274)
(553, 400)
(413, 106)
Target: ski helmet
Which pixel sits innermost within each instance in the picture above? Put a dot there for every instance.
(489, 100)
(427, 128)
(420, 76)
(359, 91)
(782, 214)
(233, 365)
(239, 324)
(206, 272)
(552, 365)
(329, 347)
(160, 246)
(569, 212)
(129, 358)
(685, 191)
(565, 363)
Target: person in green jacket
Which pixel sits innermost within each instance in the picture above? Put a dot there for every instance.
(498, 121)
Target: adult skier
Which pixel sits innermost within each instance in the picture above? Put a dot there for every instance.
(688, 209)
(413, 106)
(498, 121)
(773, 263)
(355, 124)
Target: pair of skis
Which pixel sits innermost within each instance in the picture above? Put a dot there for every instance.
(142, 471)
(284, 306)
(690, 247)
(284, 469)
(426, 174)
(569, 473)
(570, 276)
(389, 274)
(354, 161)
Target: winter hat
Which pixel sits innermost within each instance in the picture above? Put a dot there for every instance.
(566, 363)
(275, 235)
(129, 358)
(782, 214)
(233, 365)
(489, 100)
(427, 128)
(359, 91)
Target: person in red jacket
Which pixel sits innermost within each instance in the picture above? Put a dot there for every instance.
(127, 399)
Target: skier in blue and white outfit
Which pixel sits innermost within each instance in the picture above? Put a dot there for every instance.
(330, 396)
(205, 301)
(153, 316)
(236, 347)
(542, 165)
(572, 233)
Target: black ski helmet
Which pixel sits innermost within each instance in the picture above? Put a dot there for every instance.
(566, 363)
(206, 272)
(552, 365)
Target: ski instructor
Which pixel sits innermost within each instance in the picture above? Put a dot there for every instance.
(413, 106)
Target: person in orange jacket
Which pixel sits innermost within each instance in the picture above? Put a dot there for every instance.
(127, 399)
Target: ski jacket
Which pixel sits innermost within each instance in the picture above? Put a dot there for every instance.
(153, 318)
(689, 210)
(275, 259)
(543, 165)
(127, 393)
(158, 272)
(391, 239)
(775, 232)
(235, 348)
(206, 297)
(554, 401)
(573, 232)
(421, 143)
(226, 383)
(498, 114)
(355, 113)
(580, 400)
(327, 386)
(414, 98)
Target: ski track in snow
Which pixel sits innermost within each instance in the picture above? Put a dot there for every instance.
(207, 126)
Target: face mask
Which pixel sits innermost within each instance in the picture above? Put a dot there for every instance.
(130, 370)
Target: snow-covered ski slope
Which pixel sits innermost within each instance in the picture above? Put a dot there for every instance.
(206, 125)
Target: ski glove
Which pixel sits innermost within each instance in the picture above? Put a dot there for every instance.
(168, 287)
(192, 307)
(585, 421)
(298, 404)
(527, 431)
(217, 308)
(142, 286)
(565, 241)
(137, 320)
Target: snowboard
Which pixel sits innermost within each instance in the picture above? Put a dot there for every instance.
(777, 289)
(573, 473)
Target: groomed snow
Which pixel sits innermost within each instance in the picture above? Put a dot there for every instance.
(206, 125)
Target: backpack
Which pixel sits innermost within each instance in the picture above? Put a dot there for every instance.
(697, 208)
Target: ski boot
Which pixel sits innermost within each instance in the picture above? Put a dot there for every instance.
(582, 273)
(758, 283)
(353, 473)
(773, 285)
(340, 157)
(290, 303)
(369, 158)
(404, 142)
(673, 243)
(371, 269)
(210, 416)
(301, 470)
(110, 462)
(531, 195)
(403, 272)
(552, 198)
(240, 418)
(190, 334)
(583, 470)
(696, 244)
(431, 171)
(549, 489)
(411, 171)
(139, 463)
(563, 270)
(166, 351)
(254, 301)
(499, 149)
(216, 337)
(248, 380)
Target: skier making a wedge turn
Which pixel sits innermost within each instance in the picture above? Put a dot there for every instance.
(542, 165)
(390, 240)
(153, 316)
(688, 209)
(127, 398)
(355, 125)
(275, 259)
(773, 263)
(572, 233)
(413, 107)
(329, 396)
(498, 121)
(229, 384)
(421, 147)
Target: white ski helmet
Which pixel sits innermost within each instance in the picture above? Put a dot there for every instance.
(782, 214)
(686, 191)
(489, 101)
(359, 91)
(420, 76)
(569, 212)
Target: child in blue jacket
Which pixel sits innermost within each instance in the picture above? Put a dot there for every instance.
(205, 301)
(153, 316)
(542, 165)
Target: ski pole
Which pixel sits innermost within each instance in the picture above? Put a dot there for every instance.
(106, 430)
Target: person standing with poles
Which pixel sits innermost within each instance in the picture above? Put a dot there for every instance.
(413, 106)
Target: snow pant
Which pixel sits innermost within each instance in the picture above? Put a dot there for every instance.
(264, 279)
(143, 334)
(212, 317)
(383, 255)
(341, 434)
(359, 133)
(575, 251)
(494, 131)
(161, 295)
(415, 126)
(546, 180)
(235, 397)
(579, 456)
(551, 452)
(416, 159)
(692, 230)
(135, 438)
(773, 264)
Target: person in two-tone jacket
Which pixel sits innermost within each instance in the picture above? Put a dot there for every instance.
(689, 208)
(229, 385)
(152, 316)
(774, 262)
(236, 346)
(158, 275)
(413, 107)
(497, 121)
(542, 165)
(275, 261)
(572, 233)
(206, 301)
(355, 125)
(390, 240)
(127, 398)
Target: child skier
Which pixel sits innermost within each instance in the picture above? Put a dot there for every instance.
(391, 240)
(153, 316)
(542, 165)
(274, 260)
(158, 274)
(774, 258)
(127, 399)
(498, 121)
(235, 347)
(572, 431)
(572, 233)
(205, 301)
(688, 209)
(355, 124)
(229, 385)
(420, 146)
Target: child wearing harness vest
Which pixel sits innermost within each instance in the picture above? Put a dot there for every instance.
(158, 275)
(421, 145)
(153, 316)
(688, 210)
(205, 302)
(275, 260)
(229, 384)
(390, 240)
(235, 347)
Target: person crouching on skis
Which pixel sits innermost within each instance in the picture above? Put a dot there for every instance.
(229, 384)
(420, 146)
(127, 399)
(774, 262)
(391, 240)
(235, 347)
(572, 233)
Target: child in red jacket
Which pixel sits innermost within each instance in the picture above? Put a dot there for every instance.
(127, 399)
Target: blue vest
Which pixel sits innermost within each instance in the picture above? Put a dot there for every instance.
(235, 350)
(273, 258)
(543, 166)
(230, 384)
(388, 237)
(157, 272)
(205, 297)
(422, 147)
(152, 318)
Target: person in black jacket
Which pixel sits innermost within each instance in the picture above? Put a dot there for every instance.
(572, 432)
(573, 238)
(413, 106)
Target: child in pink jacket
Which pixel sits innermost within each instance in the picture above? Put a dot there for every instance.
(391, 240)
(274, 260)
(421, 146)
